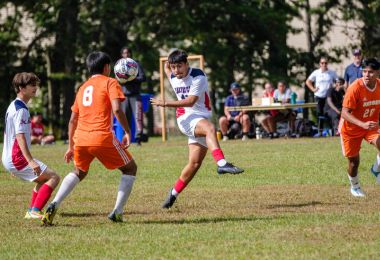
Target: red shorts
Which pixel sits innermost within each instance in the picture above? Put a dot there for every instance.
(111, 157)
(351, 145)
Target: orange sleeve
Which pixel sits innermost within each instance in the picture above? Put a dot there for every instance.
(115, 91)
(350, 98)
(74, 107)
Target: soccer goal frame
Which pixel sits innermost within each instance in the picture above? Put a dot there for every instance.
(162, 87)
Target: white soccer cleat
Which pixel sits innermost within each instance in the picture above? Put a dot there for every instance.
(357, 192)
(33, 215)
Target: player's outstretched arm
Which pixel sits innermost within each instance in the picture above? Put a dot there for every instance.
(187, 102)
(72, 127)
(120, 116)
(26, 153)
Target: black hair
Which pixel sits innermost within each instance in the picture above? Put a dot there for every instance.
(126, 48)
(373, 63)
(177, 56)
(339, 79)
(283, 82)
(22, 79)
(96, 61)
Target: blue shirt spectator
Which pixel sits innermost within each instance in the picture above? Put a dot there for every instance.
(354, 70)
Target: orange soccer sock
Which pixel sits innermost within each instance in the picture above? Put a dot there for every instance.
(43, 196)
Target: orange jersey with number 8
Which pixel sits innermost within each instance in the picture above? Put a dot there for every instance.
(365, 106)
(94, 109)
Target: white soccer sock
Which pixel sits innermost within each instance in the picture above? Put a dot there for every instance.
(221, 162)
(125, 188)
(354, 181)
(174, 192)
(67, 185)
(376, 165)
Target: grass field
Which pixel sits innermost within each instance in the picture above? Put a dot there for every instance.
(293, 201)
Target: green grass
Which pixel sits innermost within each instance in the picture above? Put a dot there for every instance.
(293, 201)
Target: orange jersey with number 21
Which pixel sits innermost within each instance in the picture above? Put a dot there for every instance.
(365, 106)
(94, 109)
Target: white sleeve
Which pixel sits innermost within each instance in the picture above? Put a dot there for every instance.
(313, 76)
(21, 121)
(198, 86)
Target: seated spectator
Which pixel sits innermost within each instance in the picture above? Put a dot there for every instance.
(334, 102)
(268, 92)
(235, 119)
(282, 95)
(38, 136)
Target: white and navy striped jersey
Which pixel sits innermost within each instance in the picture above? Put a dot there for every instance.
(17, 121)
(194, 84)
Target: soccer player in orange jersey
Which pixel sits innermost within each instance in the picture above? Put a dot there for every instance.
(360, 120)
(91, 135)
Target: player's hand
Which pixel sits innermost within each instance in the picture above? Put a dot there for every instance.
(69, 155)
(126, 141)
(157, 102)
(35, 166)
(315, 90)
(369, 125)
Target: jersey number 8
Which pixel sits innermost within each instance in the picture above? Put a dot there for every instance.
(87, 96)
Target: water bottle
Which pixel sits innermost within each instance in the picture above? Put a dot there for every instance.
(293, 98)
(258, 134)
(219, 135)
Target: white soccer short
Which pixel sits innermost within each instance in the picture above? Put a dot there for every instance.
(187, 124)
(26, 174)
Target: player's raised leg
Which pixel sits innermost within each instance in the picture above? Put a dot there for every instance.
(197, 153)
(125, 187)
(207, 129)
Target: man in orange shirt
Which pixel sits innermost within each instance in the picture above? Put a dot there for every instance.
(91, 136)
(360, 120)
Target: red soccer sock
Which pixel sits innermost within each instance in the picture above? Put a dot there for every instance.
(179, 186)
(34, 196)
(217, 154)
(43, 196)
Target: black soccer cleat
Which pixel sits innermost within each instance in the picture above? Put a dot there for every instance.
(229, 168)
(168, 203)
(50, 212)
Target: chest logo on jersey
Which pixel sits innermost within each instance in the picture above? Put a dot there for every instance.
(371, 103)
(181, 90)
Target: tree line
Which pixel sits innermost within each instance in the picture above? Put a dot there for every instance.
(238, 38)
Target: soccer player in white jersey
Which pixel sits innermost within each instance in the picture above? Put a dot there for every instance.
(17, 158)
(193, 114)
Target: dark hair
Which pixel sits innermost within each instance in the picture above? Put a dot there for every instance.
(177, 56)
(339, 79)
(373, 63)
(283, 82)
(323, 58)
(126, 48)
(21, 80)
(96, 61)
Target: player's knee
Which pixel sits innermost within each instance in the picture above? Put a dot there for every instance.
(195, 165)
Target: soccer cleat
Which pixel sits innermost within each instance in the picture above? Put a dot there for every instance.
(357, 192)
(50, 212)
(115, 217)
(33, 215)
(229, 168)
(168, 203)
(376, 174)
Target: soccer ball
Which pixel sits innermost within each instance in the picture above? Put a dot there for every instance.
(125, 70)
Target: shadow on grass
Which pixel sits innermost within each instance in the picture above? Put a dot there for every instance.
(301, 205)
(207, 220)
